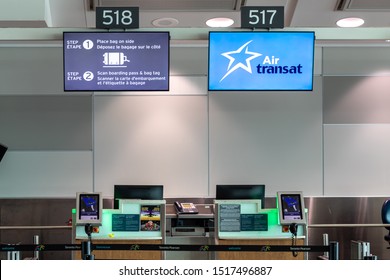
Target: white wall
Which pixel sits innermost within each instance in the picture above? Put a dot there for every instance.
(152, 140)
(356, 121)
(188, 139)
(273, 138)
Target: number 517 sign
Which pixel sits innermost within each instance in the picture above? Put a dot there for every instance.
(262, 17)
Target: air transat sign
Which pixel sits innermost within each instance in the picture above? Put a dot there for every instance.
(261, 60)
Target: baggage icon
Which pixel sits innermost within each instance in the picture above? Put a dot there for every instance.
(114, 59)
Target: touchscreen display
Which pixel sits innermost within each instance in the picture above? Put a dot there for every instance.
(89, 207)
(291, 207)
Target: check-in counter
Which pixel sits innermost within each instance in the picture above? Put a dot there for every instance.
(224, 222)
(244, 222)
(135, 222)
(190, 229)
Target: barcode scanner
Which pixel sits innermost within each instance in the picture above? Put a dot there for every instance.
(293, 228)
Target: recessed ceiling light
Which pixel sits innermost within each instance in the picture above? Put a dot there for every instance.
(350, 22)
(219, 22)
(165, 22)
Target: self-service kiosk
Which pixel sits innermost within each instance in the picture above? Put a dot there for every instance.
(243, 222)
(136, 221)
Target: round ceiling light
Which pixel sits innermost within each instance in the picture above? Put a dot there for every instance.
(350, 22)
(165, 22)
(220, 22)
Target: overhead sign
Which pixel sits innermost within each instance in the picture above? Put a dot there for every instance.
(117, 17)
(261, 60)
(116, 61)
(262, 17)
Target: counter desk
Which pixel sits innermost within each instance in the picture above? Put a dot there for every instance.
(244, 222)
(135, 222)
(190, 229)
(224, 222)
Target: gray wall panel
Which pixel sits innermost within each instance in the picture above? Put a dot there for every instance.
(31, 70)
(46, 122)
(356, 100)
(355, 61)
(356, 160)
(45, 174)
(189, 61)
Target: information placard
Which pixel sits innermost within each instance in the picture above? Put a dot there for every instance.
(125, 222)
(230, 217)
(116, 61)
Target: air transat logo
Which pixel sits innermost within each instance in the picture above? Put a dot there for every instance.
(237, 57)
(242, 57)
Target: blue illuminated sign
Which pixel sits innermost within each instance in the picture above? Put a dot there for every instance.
(261, 61)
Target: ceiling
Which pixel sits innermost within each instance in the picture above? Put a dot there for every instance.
(185, 19)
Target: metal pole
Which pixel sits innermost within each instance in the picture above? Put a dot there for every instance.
(86, 250)
(334, 250)
(36, 242)
(325, 239)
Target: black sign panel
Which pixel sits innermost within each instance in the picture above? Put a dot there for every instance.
(121, 18)
(125, 222)
(254, 222)
(262, 17)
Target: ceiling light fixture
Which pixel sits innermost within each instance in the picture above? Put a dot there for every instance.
(165, 22)
(350, 22)
(220, 22)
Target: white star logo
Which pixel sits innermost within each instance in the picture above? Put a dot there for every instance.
(238, 53)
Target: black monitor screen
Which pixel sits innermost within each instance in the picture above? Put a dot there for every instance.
(148, 192)
(3, 149)
(241, 192)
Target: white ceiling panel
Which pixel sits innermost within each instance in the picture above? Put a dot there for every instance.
(364, 5)
(171, 5)
(191, 15)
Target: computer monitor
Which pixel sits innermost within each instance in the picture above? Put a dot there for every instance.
(147, 192)
(242, 191)
(89, 208)
(291, 207)
(3, 149)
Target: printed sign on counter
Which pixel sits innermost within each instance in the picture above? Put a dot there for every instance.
(230, 217)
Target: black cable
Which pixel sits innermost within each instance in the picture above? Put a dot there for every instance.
(293, 229)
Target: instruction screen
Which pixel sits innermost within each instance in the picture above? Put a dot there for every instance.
(116, 61)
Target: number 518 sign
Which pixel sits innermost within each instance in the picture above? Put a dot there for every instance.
(262, 17)
(121, 18)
